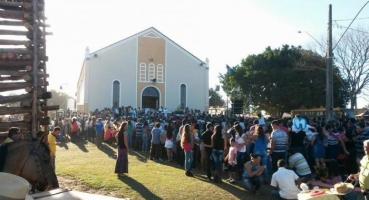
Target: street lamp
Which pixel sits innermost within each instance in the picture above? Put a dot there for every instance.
(320, 45)
(329, 70)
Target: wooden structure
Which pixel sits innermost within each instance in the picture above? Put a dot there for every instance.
(23, 64)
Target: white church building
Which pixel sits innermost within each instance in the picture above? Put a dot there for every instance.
(145, 70)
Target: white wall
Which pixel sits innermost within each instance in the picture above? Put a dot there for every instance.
(117, 63)
(183, 68)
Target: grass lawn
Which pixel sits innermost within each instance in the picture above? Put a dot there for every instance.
(92, 168)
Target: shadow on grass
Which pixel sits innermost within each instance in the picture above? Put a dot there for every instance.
(64, 145)
(138, 187)
(109, 151)
(139, 155)
(81, 144)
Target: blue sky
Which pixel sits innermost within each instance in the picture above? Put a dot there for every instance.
(223, 31)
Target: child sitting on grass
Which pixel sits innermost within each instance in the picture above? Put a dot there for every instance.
(232, 160)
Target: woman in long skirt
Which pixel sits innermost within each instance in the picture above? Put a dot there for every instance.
(121, 167)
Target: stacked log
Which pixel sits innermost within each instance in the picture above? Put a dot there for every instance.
(23, 64)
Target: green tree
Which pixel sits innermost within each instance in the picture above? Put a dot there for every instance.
(215, 99)
(282, 79)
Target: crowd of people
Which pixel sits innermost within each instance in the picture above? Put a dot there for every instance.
(254, 151)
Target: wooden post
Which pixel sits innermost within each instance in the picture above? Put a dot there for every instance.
(35, 126)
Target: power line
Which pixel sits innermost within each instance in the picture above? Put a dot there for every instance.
(340, 27)
(350, 19)
(350, 24)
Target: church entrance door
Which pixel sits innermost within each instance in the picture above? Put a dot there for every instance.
(150, 98)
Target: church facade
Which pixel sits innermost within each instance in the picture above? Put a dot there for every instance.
(147, 71)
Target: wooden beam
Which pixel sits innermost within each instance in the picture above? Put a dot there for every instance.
(16, 86)
(4, 110)
(25, 43)
(40, 74)
(27, 117)
(45, 108)
(18, 15)
(15, 63)
(14, 98)
(26, 102)
(13, 86)
(4, 126)
(11, 23)
(11, 78)
(13, 32)
(27, 68)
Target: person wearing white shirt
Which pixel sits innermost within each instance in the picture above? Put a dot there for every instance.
(285, 182)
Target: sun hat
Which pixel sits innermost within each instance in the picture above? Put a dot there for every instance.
(342, 188)
(13, 187)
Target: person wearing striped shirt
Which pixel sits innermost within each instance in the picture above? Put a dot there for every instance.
(335, 144)
(279, 142)
(363, 134)
(298, 162)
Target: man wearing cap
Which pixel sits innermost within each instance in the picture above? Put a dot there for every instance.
(14, 135)
(363, 175)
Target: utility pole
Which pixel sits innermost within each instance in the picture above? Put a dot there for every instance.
(329, 72)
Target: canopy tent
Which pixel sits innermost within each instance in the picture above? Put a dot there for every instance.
(286, 115)
(366, 114)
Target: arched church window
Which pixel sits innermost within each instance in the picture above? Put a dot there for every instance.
(151, 71)
(116, 93)
(183, 96)
(142, 72)
(160, 73)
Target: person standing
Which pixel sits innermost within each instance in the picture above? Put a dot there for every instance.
(121, 166)
(279, 144)
(138, 130)
(206, 142)
(52, 141)
(99, 129)
(363, 134)
(74, 130)
(155, 142)
(217, 144)
(187, 145)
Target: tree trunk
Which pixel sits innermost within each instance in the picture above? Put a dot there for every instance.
(4, 126)
(4, 110)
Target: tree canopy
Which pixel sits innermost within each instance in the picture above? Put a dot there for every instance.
(282, 79)
(215, 99)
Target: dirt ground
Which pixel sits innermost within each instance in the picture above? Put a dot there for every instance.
(68, 182)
